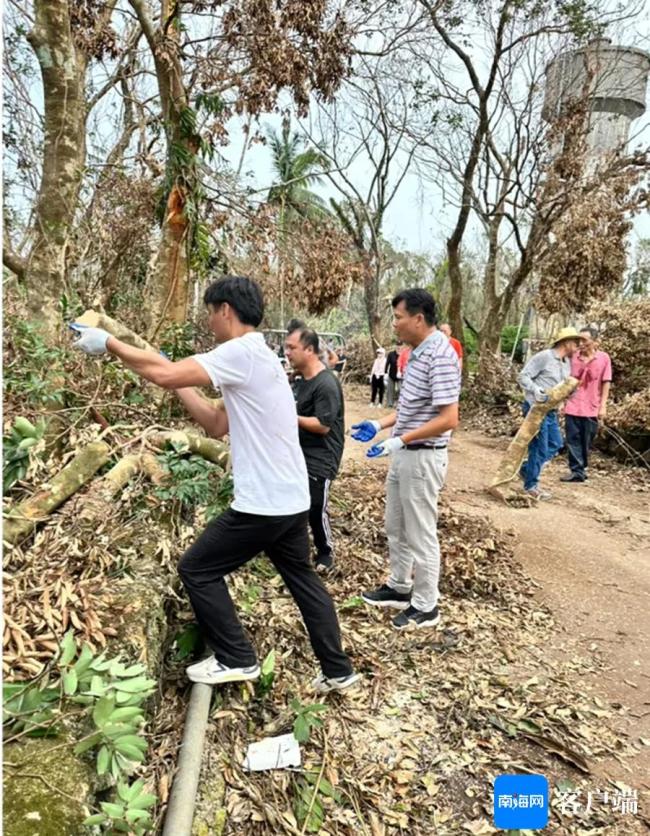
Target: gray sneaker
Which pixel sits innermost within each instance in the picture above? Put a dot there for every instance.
(211, 671)
(323, 684)
(537, 493)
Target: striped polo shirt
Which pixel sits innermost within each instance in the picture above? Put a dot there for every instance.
(432, 380)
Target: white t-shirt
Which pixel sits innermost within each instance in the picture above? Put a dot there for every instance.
(268, 465)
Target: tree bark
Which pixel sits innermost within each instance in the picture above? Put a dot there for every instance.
(63, 71)
(168, 280)
(22, 519)
(455, 307)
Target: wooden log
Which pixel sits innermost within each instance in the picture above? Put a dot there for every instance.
(97, 502)
(153, 469)
(100, 320)
(122, 332)
(211, 449)
(518, 447)
(22, 519)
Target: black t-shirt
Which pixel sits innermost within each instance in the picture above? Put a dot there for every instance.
(391, 365)
(321, 397)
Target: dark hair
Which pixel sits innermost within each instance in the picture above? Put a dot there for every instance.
(295, 325)
(306, 336)
(418, 301)
(593, 332)
(309, 339)
(242, 294)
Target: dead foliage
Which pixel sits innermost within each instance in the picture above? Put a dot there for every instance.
(439, 714)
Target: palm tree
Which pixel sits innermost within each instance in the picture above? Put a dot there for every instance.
(296, 168)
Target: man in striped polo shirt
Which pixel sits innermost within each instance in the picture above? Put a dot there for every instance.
(427, 412)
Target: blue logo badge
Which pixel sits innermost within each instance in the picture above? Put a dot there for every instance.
(520, 802)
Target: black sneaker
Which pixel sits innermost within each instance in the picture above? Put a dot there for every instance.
(573, 477)
(416, 618)
(386, 596)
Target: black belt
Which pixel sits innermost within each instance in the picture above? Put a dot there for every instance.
(425, 446)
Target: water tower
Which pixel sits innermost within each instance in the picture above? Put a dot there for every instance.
(615, 80)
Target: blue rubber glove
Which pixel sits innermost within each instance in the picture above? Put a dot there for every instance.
(366, 430)
(385, 448)
(92, 340)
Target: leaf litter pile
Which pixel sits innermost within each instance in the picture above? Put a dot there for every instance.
(440, 713)
(414, 749)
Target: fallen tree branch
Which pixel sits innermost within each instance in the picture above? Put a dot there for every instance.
(22, 519)
(117, 329)
(97, 502)
(211, 449)
(516, 452)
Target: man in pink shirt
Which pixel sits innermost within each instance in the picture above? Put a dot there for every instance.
(587, 407)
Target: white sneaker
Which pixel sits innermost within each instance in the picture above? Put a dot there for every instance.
(211, 671)
(323, 685)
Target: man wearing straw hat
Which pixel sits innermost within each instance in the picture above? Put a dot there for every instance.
(544, 370)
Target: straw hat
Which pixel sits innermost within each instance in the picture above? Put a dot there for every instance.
(565, 334)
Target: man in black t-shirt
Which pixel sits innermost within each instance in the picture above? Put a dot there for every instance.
(319, 403)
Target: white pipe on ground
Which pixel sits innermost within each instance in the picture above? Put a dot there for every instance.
(180, 812)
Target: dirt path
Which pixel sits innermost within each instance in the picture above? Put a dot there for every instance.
(587, 548)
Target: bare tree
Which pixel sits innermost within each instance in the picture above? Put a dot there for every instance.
(364, 136)
(484, 141)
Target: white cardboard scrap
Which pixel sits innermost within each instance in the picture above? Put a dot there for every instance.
(273, 753)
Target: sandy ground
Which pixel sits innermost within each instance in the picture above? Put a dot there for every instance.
(588, 550)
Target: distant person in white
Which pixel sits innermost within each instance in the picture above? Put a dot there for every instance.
(270, 509)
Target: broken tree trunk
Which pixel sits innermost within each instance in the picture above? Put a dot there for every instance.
(22, 519)
(516, 452)
(211, 449)
(98, 501)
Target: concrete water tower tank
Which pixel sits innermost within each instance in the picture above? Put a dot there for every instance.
(614, 78)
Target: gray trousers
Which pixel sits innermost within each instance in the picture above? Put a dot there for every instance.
(414, 480)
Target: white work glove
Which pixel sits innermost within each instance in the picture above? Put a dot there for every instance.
(541, 396)
(385, 448)
(92, 340)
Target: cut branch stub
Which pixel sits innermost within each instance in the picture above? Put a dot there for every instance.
(22, 519)
(514, 455)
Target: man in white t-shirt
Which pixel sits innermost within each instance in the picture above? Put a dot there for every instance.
(270, 509)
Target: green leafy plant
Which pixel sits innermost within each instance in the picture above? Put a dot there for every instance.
(111, 692)
(35, 371)
(17, 446)
(179, 340)
(193, 480)
(306, 718)
(352, 603)
(129, 813)
(509, 334)
(187, 640)
(267, 675)
(311, 788)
